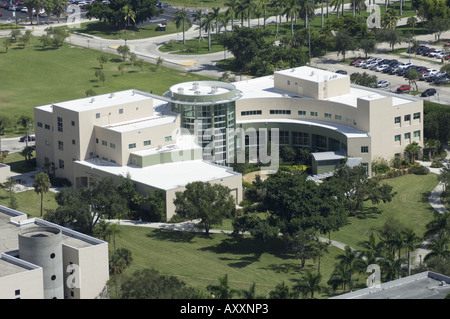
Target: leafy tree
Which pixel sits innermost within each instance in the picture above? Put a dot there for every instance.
(392, 36)
(41, 185)
(7, 44)
(344, 43)
(368, 45)
(364, 79)
(119, 261)
(124, 51)
(150, 284)
(412, 76)
(282, 291)
(438, 25)
(103, 59)
(100, 75)
(222, 290)
(9, 185)
(208, 202)
(301, 245)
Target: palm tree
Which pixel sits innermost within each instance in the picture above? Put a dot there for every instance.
(439, 225)
(225, 18)
(391, 267)
(371, 249)
(390, 19)
(231, 4)
(277, 10)
(198, 16)
(290, 11)
(215, 16)
(309, 284)
(263, 4)
(181, 18)
(319, 248)
(410, 241)
(439, 248)
(41, 185)
(352, 262)
(128, 14)
(412, 150)
(248, 5)
(433, 145)
(307, 10)
(240, 11)
(336, 4)
(412, 22)
(222, 290)
(341, 275)
(208, 24)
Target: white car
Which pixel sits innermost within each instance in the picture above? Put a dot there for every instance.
(370, 64)
(441, 55)
(433, 53)
(382, 84)
(432, 72)
(381, 67)
(404, 65)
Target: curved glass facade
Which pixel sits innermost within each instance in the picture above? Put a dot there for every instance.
(207, 110)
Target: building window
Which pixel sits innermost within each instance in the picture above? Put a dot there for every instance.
(47, 143)
(416, 134)
(338, 117)
(73, 123)
(61, 163)
(364, 149)
(397, 120)
(300, 138)
(314, 113)
(104, 143)
(47, 127)
(301, 112)
(120, 111)
(60, 124)
(327, 115)
(407, 117)
(256, 112)
(60, 145)
(284, 137)
(147, 143)
(112, 145)
(132, 145)
(407, 136)
(280, 111)
(17, 292)
(73, 142)
(417, 116)
(288, 82)
(168, 138)
(348, 120)
(397, 138)
(39, 124)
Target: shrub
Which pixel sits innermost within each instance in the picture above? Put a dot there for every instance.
(418, 170)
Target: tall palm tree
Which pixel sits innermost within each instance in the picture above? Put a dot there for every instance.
(248, 5)
(390, 18)
(208, 25)
(307, 10)
(352, 261)
(128, 14)
(371, 249)
(215, 15)
(240, 11)
(41, 185)
(336, 4)
(412, 150)
(412, 22)
(439, 248)
(198, 16)
(410, 241)
(231, 10)
(391, 267)
(224, 18)
(182, 19)
(290, 11)
(439, 225)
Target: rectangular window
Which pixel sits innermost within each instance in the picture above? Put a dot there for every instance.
(416, 133)
(120, 111)
(39, 124)
(60, 124)
(397, 120)
(61, 163)
(104, 143)
(348, 120)
(47, 127)
(300, 138)
(407, 117)
(61, 145)
(112, 145)
(97, 115)
(407, 136)
(284, 137)
(280, 111)
(301, 112)
(168, 138)
(364, 149)
(17, 292)
(288, 82)
(132, 145)
(73, 142)
(338, 117)
(327, 115)
(147, 143)
(256, 112)
(314, 113)
(397, 138)
(417, 116)
(47, 143)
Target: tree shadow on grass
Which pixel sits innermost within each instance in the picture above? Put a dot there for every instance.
(369, 212)
(173, 236)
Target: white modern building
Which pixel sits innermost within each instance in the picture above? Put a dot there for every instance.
(193, 131)
(42, 260)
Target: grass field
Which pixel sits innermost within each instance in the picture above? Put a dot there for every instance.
(32, 77)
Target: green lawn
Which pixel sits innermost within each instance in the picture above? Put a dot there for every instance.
(29, 202)
(32, 77)
(410, 206)
(200, 261)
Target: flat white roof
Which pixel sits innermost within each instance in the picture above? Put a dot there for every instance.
(165, 176)
(311, 74)
(348, 131)
(99, 101)
(200, 88)
(183, 142)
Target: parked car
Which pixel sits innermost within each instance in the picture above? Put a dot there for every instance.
(441, 80)
(353, 63)
(404, 65)
(380, 68)
(433, 53)
(421, 49)
(428, 92)
(403, 88)
(360, 63)
(382, 84)
(341, 72)
(370, 64)
(30, 138)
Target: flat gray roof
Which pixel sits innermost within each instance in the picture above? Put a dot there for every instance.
(424, 285)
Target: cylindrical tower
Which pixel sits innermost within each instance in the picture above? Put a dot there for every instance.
(42, 246)
(207, 111)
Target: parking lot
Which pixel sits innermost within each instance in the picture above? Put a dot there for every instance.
(423, 64)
